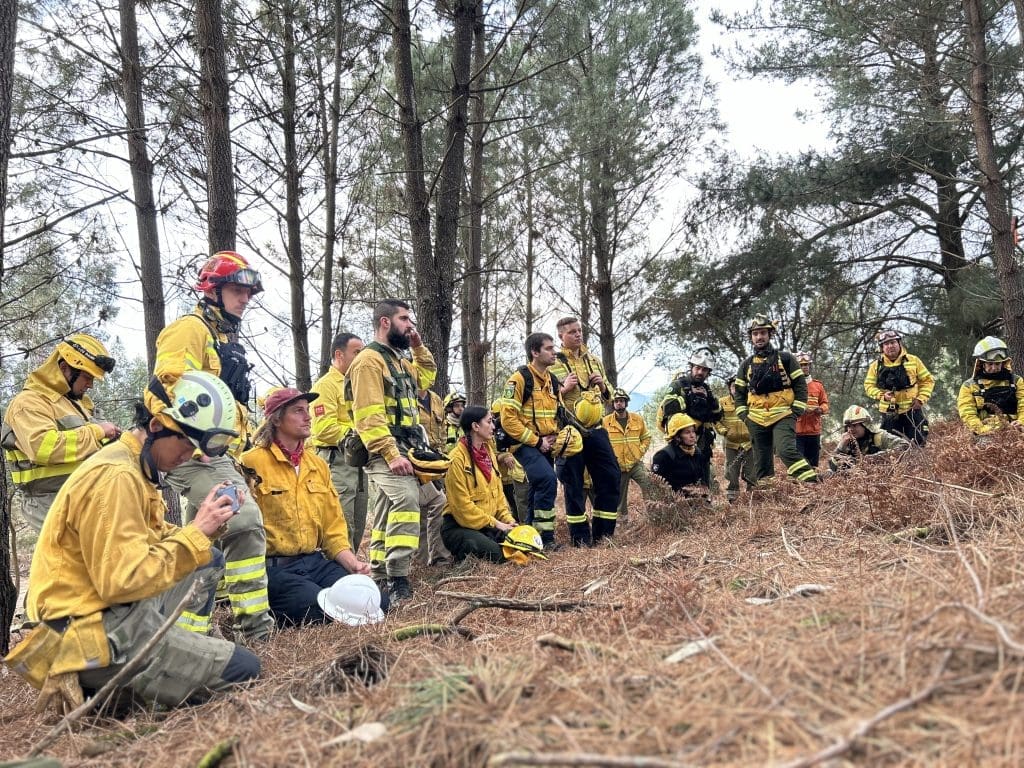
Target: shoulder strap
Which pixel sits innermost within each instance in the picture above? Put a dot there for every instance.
(211, 331)
(387, 354)
(527, 374)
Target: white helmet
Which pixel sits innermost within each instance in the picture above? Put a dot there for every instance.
(703, 358)
(352, 599)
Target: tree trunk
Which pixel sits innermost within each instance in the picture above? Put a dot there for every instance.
(602, 200)
(528, 267)
(150, 267)
(222, 213)
(472, 317)
(293, 224)
(1011, 287)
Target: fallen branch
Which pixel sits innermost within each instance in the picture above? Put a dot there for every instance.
(672, 554)
(582, 758)
(551, 640)
(477, 602)
(789, 548)
(957, 487)
(218, 753)
(800, 590)
(416, 630)
(129, 669)
(865, 726)
(450, 579)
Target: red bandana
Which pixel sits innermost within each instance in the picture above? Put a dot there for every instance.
(293, 456)
(481, 457)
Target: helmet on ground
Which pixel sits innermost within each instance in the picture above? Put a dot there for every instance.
(804, 357)
(228, 267)
(589, 409)
(352, 600)
(523, 538)
(200, 406)
(620, 394)
(760, 321)
(888, 334)
(452, 398)
(568, 442)
(703, 359)
(991, 350)
(678, 423)
(428, 464)
(857, 415)
(86, 353)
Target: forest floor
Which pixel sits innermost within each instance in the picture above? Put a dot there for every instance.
(875, 619)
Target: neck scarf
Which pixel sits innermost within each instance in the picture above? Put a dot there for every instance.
(293, 456)
(481, 458)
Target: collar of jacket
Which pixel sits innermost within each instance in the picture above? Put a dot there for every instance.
(766, 352)
(544, 377)
(579, 355)
(48, 381)
(215, 317)
(281, 456)
(900, 358)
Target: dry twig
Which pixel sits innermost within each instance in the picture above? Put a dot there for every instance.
(551, 640)
(490, 601)
(582, 758)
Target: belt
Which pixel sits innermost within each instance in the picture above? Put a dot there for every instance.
(277, 562)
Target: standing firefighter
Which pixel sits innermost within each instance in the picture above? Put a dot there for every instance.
(108, 569)
(332, 421)
(48, 429)
(454, 403)
(207, 340)
(771, 392)
(994, 395)
(808, 426)
(630, 440)
(382, 385)
(738, 450)
(901, 384)
(585, 392)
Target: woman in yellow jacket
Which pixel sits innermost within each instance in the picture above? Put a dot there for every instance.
(476, 514)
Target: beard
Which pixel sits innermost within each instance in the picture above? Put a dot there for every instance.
(397, 340)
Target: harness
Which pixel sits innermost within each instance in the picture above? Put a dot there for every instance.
(405, 388)
(769, 375)
(893, 378)
(999, 398)
(234, 367)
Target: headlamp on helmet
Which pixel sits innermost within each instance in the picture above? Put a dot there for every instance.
(620, 394)
(86, 353)
(762, 321)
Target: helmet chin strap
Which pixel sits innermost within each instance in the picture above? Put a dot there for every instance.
(224, 320)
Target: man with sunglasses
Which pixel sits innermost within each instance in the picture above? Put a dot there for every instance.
(49, 427)
(207, 340)
(108, 569)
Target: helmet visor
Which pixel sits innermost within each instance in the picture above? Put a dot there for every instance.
(212, 442)
(997, 355)
(247, 277)
(104, 363)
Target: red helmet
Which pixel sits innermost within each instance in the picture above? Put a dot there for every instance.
(228, 267)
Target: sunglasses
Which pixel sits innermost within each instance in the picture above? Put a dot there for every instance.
(104, 363)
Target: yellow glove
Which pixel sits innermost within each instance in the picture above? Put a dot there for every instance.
(60, 693)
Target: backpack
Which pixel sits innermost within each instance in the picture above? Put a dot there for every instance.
(564, 417)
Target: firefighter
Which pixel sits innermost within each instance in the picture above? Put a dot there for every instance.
(432, 418)
(901, 384)
(49, 427)
(207, 340)
(682, 461)
(863, 438)
(771, 392)
(585, 391)
(108, 569)
(332, 421)
(630, 440)
(808, 426)
(529, 417)
(454, 403)
(382, 385)
(308, 547)
(994, 395)
(690, 393)
(739, 459)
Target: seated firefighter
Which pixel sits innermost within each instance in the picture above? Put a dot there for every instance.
(477, 519)
(308, 548)
(108, 569)
(683, 462)
(994, 396)
(863, 439)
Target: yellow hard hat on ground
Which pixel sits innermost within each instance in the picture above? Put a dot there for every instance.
(521, 541)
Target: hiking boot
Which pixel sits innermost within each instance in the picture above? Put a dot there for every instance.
(399, 589)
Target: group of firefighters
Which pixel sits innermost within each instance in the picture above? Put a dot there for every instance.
(275, 516)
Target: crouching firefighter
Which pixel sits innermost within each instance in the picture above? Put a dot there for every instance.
(994, 396)
(108, 569)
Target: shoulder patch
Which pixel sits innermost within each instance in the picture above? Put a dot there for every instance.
(319, 410)
(510, 391)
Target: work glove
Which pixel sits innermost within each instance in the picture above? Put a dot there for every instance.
(60, 694)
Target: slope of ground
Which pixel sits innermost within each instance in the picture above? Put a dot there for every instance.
(902, 648)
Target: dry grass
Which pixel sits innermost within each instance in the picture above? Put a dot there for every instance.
(920, 613)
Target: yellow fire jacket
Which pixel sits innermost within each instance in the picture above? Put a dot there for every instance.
(45, 434)
(474, 501)
(769, 407)
(540, 412)
(921, 381)
(301, 512)
(433, 421)
(187, 345)
(629, 442)
(105, 540)
(971, 401)
(377, 398)
(332, 413)
(583, 364)
(731, 427)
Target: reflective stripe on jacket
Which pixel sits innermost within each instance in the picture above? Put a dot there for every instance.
(732, 427)
(301, 511)
(474, 501)
(768, 408)
(583, 364)
(331, 412)
(629, 442)
(921, 382)
(970, 403)
(530, 421)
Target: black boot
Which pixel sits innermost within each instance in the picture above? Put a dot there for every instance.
(399, 590)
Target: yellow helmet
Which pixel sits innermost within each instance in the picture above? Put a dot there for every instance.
(568, 442)
(991, 350)
(857, 415)
(523, 538)
(761, 320)
(589, 409)
(428, 464)
(452, 398)
(86, 353)
(678, 423)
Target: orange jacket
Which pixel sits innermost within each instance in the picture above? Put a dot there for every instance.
(810, 422)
